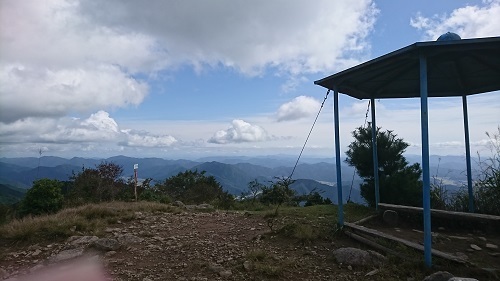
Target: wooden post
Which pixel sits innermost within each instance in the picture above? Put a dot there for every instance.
(136, 166)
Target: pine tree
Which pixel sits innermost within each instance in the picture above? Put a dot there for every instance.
(399, 182)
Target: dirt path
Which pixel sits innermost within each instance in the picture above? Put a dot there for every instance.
(200, 246)
(193, 246)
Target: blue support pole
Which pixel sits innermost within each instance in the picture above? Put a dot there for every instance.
(424, 119)
(375, 154)
(337, 156)
(467, 154)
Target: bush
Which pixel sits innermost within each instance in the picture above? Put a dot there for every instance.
(193, 187)
(44, 197)
(486, 188)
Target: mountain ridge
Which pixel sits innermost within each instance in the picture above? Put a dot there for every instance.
(233, 173)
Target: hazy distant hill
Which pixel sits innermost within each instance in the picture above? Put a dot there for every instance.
(10, 194)
(231, 177)
(234, 173)
(273, 161)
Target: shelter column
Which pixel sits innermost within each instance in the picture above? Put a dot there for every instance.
(375, 154)
(424, 119)
(467, 154)
(337, 156)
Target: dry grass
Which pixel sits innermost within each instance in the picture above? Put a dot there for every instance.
(265, 264)
(86, 219)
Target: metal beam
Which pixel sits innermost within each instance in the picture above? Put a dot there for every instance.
(467, 154)
(424, 119)
(337, 157)
(375, 155)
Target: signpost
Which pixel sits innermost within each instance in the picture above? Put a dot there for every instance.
(136, 166)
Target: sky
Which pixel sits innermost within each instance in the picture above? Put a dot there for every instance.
(190, 79)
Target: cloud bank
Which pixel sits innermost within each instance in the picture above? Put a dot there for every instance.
(98, 129)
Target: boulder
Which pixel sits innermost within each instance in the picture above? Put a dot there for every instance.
(204, 206)
(215, 267)
(439, 276)
(491, 246)
(66, 255)
(475, 247)
(390, 217)
(107, 244)
(82, 240)
(179, 204)
(225, 273)
(247, 265)
(129, 239)
(354, 256)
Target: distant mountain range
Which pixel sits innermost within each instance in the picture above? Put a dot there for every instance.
(234, 173)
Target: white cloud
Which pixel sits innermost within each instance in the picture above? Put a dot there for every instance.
(99, 130)
(55, 62)
(469, 22)
(61, 56)
(294, 36)
(55, 35)
(240, 131)
(145, 139)
(102, 122)
(33, 92)
(299, 107)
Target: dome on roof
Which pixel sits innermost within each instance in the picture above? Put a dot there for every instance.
(449, 36)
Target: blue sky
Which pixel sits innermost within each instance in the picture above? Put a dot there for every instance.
(187, 79)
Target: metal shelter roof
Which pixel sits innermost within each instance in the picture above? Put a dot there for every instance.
(454, 68)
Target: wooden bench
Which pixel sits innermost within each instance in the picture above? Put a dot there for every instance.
(376, 233)
(490, 219)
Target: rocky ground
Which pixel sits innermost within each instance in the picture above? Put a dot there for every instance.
(202, 246)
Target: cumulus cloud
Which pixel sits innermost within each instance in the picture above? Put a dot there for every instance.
(292, 35)
(299, 107)
(64, 55)
(33, 92)
(97, 130)
(469, 22)
(55, 35)
(55, 62)
(240, 131)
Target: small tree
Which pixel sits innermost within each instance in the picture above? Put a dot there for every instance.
(44, 197)
(278, 193)
(255, 187)
(110, 181)
(399, 181)
(102, 183)
(314, 198)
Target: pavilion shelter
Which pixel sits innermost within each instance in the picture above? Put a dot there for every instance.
(448, 67)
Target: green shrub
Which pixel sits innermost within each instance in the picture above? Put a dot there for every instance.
(44, 197)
